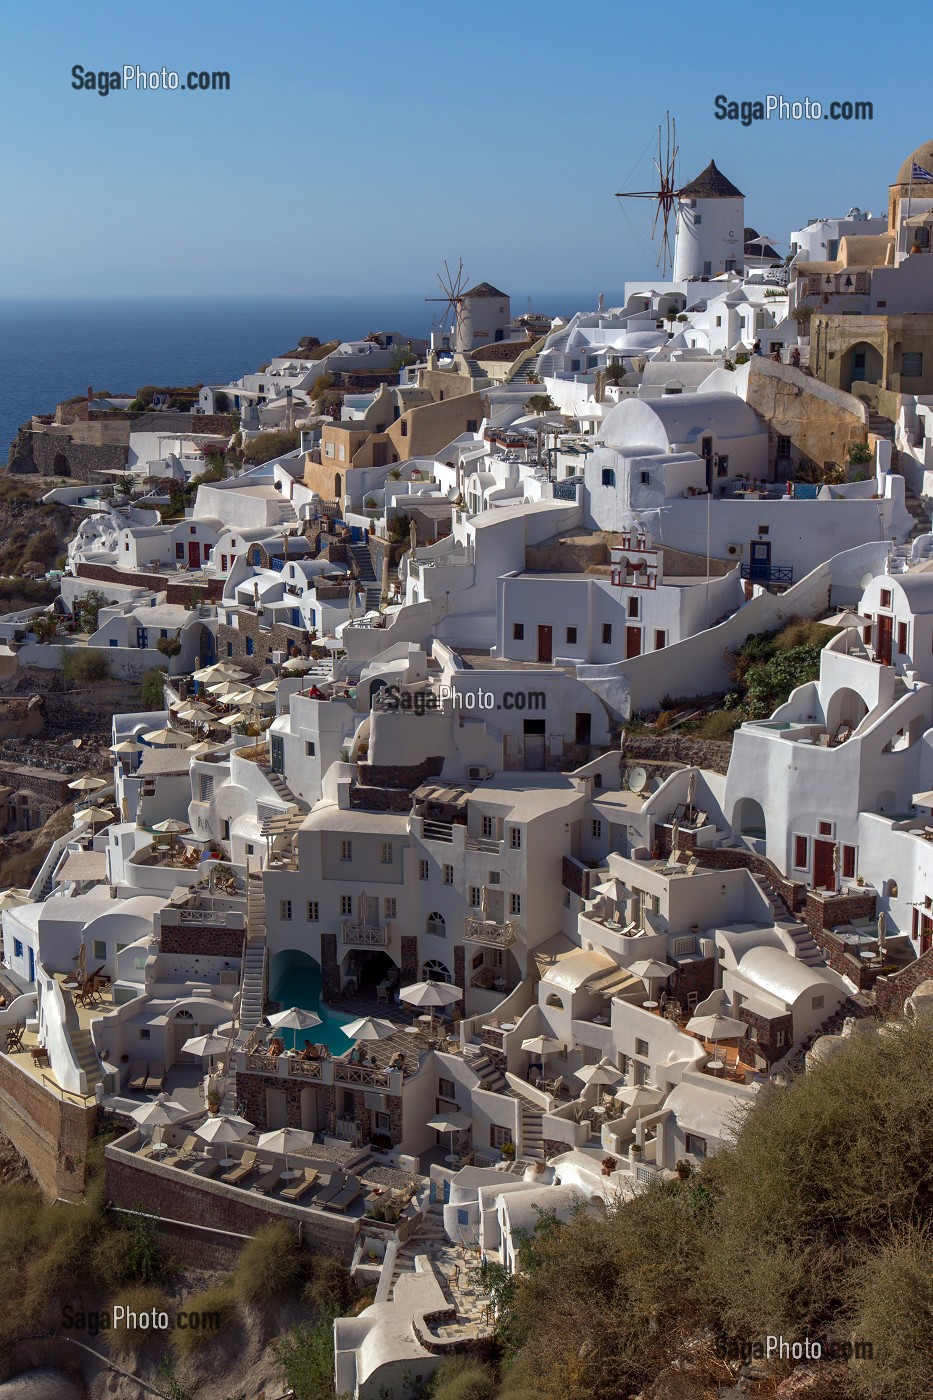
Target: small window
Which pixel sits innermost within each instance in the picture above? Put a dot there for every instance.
(571, 636)
(607, 633)
(389, 907)
(476, 896)
(145, 1033)
(404, 427)
(515, 904)
(250, 848)
(179, 550)
(250, 646)
(902, 638)
(285, 910)
(632, 607)
(885, 597)
(800, 852)
(309, 748)
(518, 631)
(515, 838)
(848, 862)
(644, 478)
(225, 830)
(660, 640)
(641, 1048)
(609, 476)
(826, 828)
(499, 1136)
(423, 870)
(446, 1088)
(17, 948)
(346, 904)
(489, 828)
(911, 364)
(696, 1146)
(313, 911)
(596, 828)
(346, 850)
(100, 950)
(472, 425)
(783, 445)
(448, 874)
(386, 853)
(818, 1003)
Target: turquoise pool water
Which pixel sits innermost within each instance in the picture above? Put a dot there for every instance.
(298, 983)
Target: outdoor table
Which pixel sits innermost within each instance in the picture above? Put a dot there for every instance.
(291, 1174)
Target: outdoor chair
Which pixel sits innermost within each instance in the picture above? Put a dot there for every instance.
(155, 1081)
(331, 1188)
(295, 1192)
(207, 1166)
(136, 1076)
(268, 1181)
(14, 1037)
(191, 1147)
(246, 1166)
(344, 1197)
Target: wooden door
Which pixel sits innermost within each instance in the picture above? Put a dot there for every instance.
(545, 651)
(823, 876)
(632, 642)
(885, 633)
(194, 555)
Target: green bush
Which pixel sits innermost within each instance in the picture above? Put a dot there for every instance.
(462, 1378)
(269, 1265)
(859, 453)
(272, 444)
(125, 1339)
(85, 665)
(902, 1359)
(169, 646)
(305, 1357)
(330, 1291)
(129, 1252)
(217, 1303)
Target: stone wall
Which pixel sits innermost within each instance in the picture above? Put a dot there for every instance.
(178, 591)
(330, 968)
(820, 422)
(21, 718)
(202, 941)
(43, 782)
(892, 992)
(767, 1034)
(387, 788)
(214, 1205)
(408, 958)
(678, 749)
(730, 858)
(693, 975)
(231, 641)
(52, 1135)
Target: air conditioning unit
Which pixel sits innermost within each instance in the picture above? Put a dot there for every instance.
(736, 549)
(478, 774)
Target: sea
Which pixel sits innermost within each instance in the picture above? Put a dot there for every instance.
(54, 348)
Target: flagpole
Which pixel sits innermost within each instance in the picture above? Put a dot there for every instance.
(910, 186)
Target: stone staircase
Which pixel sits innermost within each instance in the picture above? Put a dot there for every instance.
(253, 976)
(489, 1076)
(86, 1057)
(531, 1147)
(428, 1239)
(280, 787)
(805, 948)
(885, 428)
(367, 575)
(525, 368)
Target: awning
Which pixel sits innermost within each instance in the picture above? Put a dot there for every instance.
(610, 983)
(84, 865)
(282, 824)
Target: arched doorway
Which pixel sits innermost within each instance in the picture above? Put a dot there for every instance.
(846, 708)
(182, 1028)
(60, 465)
(862, 363)
(369, 968)
(433, 970)
(749, 819)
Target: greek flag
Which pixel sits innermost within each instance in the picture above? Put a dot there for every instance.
(920, 176)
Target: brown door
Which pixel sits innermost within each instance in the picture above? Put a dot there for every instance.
(885, 631)
(823, 878)
(632, 642)
(194, 554)
(544, 643)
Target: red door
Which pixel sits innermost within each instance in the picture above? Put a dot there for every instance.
(823, 874)
(885, 632)
(632, 642)
(194, 555)
(544, 643)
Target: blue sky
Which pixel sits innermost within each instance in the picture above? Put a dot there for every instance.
(359, 148)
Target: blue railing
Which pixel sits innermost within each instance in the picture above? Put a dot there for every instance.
(768, 573)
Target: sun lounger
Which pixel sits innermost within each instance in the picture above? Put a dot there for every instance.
(346, 1197)
(332, 1188)
(236, 1174)
(296, 1191)
(268, 1182)
(191, 1147)
(155, 1081)
(137, 1076)
(208, 1166)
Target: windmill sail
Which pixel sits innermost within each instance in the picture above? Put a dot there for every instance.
(665, 194)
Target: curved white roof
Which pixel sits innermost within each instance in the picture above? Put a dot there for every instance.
(707, 1112)
(782, 975)
(679, 418)
(574, 969)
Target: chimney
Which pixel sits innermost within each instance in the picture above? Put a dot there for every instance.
(90, 393)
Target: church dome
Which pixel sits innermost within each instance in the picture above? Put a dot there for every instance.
(923, 156)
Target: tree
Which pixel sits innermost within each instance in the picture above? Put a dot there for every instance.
(85, 665)
(169, 646)
(45, 627)
(401, 356)
(540, 403)
(88, 609)
(152, 689)
(859, 453)
(221, 403)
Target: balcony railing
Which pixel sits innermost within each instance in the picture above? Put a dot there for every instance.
(768, 573)
(360, 1074)
(437, 831)
(482, 843)
(492, 933)
(375, 935)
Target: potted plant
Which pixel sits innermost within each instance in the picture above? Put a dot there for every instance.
(214, 1100)
(609, 1165)
(508, 1150)
(636, 1149)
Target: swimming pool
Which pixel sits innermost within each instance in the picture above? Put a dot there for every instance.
(297, 982)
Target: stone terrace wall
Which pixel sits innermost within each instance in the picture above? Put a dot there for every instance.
(214, 1205)
(51, 1134)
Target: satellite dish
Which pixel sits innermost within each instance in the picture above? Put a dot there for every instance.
(866, 580)
(636, 780)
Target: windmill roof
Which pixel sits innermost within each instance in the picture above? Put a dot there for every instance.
(484, 289)
(711, 184)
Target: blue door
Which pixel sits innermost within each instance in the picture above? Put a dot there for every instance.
(142, 638)
(32, 964)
